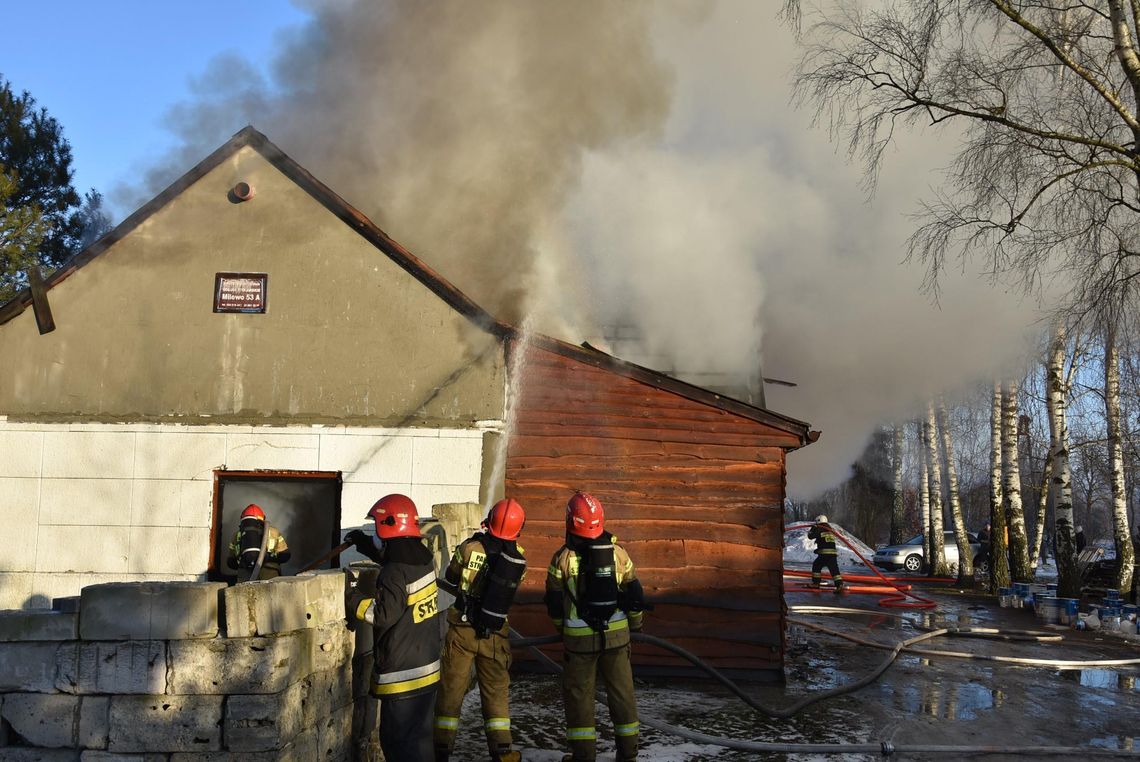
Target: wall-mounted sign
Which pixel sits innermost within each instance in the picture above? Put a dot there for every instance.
(240, 292)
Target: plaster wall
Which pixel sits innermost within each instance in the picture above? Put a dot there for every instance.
(349, 336)
(85, 503)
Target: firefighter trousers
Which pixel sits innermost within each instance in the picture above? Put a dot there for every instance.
(829, 562)
(405, 727)
(578, 682)
(492, 659)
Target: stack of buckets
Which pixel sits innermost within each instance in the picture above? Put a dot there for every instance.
(1114, 614)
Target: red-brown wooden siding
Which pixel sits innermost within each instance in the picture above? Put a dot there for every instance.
(693, 492)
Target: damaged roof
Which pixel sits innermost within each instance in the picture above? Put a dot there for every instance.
(456, 299)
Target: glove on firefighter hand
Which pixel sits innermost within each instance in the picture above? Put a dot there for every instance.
(362, 541)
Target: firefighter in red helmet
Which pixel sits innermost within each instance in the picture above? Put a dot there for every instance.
(595, 599)
(258, 547)
(485, 571)
(406, 633)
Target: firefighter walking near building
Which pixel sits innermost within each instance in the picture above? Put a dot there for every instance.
(595, 599)
(486, 571)
(826, 555)
(406, 633)
(258, 547)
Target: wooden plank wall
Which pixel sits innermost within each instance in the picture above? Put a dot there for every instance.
(694, 493)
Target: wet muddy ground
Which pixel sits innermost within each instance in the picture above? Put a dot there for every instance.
(920, 700)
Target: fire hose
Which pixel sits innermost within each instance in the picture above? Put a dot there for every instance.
(885, 748)
(897, 595)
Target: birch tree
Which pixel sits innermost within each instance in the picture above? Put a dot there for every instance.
(898, 510)
(1068, 576)
(1122, 537)
(1044, 96)
(1015, 515)
(965, 554)
(937, 560)
(999, 555)
(924, 495)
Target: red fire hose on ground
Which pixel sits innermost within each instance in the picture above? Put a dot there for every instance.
(895, 595)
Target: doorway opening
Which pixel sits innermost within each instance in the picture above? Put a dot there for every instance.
(303, 505)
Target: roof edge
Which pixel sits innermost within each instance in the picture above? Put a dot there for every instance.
(595, 357)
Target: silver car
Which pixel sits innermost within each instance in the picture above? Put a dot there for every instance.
(908, 555)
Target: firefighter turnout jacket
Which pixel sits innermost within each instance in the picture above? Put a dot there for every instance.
(478, 581)
(276, 551)
(403, 613)
(589, 618)
(824, 540)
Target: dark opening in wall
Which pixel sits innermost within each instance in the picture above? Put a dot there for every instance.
(303, 505)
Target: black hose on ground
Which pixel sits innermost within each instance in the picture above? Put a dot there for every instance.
(885, 748)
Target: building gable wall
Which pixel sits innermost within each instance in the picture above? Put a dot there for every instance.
(349, 336)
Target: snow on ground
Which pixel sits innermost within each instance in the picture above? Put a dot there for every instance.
(798, 549)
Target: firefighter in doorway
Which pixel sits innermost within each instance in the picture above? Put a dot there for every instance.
(257, 547)
(405, 631)
(595, 599)
(826, 554)
(486, 571)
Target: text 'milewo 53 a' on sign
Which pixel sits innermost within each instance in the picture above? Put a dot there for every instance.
(240, 292)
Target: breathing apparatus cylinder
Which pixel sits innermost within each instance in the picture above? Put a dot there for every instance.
(495, 592)
(597, 583)
(251, 531)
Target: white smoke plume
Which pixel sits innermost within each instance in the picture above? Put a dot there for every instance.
(594, 162)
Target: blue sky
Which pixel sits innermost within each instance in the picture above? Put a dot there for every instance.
(108, 71)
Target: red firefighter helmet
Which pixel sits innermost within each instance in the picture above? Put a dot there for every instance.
(584, 516)
(253, 511)
(395, 516)
(506, 519)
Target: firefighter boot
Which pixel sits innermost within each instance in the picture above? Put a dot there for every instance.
(442, 753)
(503, 753)
(840, 587)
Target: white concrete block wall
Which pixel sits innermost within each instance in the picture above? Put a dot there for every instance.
(89, 503)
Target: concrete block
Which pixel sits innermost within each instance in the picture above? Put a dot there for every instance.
(19, 754)
(328, 691)
(42, 719)
(89, 454)
(276, 451)
(454, 461)
(100, 549)
(150, 610)
(324, 596)
(368, 459)
(67, 604)
(165, 723)
(332, 646)
(108, 756)
(32, 667)
(264, 722)
(240, 665)
(38, 624)
(265, 608)
(94, 722)
(21, 453)
(168, 550)
(178, 453)
(20, 517)
(334, 736)
(303, 748)
(133, 666)
(104, 502)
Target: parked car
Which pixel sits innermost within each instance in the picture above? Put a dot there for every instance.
(908, 555)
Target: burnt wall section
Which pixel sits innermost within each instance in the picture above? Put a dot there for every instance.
(693, 492)
(186, 671)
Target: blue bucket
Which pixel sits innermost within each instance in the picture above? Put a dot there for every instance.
(1112, 595)
(1067, 611)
